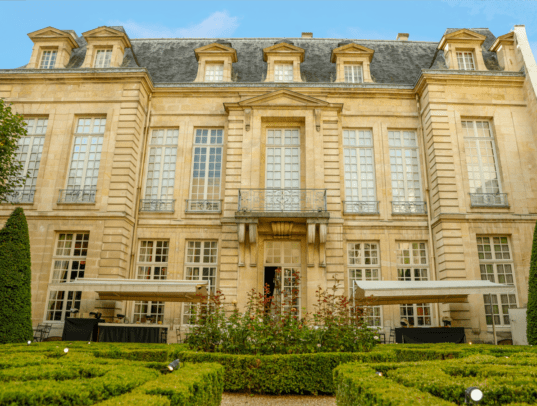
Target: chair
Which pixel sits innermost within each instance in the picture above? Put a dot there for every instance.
(391, 337)
(178, 336)
(38, 331)
(45, 331)
(164, 335)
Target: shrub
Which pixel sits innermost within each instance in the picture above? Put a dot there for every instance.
(15, 279)
(531, 317)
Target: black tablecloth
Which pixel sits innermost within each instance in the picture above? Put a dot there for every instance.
(419, 335)
(129, 334)
(79, 330)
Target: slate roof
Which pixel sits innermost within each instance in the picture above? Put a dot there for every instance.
(394, 62)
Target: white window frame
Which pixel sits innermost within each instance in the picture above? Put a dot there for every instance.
(195, 258)
(68, 263)
(466, 60)
(161, 164)
(472, 135)
(103, 58)
(400, 152)
(210, 161)
(353, 73)
(363, 264)
(283, 72)
(48, 59)
(214, 72)
(87, 169)
(493, 266)
(412, 256)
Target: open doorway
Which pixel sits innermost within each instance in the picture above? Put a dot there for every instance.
(270, 274)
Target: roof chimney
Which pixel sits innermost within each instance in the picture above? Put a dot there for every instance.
(402, 37)
(307, 35)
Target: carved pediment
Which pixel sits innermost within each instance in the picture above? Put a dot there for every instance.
(216, 48)
(463, 35)
(284, 48)
(51, 33)
(352, 49)
(107, 33)
(508, 38)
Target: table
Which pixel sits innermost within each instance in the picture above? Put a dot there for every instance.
(418, 335)
(80, 329)
(131, 333)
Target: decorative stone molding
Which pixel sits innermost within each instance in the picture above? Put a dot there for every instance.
(215, 53)
(463, 41)
(282, 229)
(504, 46)
(52, 39)
(247, 118)
(352, 54)
(105, 38)
(283, 52)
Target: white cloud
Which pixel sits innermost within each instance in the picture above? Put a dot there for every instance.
(218, 24)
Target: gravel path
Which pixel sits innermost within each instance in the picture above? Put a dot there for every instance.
(232, 399)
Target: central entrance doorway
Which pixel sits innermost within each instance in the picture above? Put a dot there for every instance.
(282, 273)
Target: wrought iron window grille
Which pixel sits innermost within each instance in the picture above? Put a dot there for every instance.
(409, 208)
(282, 200)
(77, 195)
(203, 206)
(360, 207)
(21, 196)
(157, 205)
(489, 200)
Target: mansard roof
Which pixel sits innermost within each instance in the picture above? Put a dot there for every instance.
(395, 62)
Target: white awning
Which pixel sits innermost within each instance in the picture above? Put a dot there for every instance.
(408, 292)
(139, 289)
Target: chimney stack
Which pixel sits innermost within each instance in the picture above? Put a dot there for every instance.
(307, 35)
(402, 37)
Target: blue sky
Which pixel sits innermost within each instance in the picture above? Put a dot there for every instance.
(424, 20)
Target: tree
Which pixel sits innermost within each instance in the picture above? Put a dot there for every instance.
(12, 128)
(531, 315)
(15, 280)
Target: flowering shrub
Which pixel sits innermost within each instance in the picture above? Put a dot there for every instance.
(273, 325)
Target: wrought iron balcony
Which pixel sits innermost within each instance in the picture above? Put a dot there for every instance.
(203, 206)
(282, 200)
(21, 196)
(360, 207)
(160, 205)
(78, 195)
(489, 200)
(409, 208)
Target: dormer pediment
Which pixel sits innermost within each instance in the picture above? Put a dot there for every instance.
(284, 48)
(107, 33)
(508, 38)
(352, 50)
(283, 98)
(463, 35)
(216, 49)
(50, 34)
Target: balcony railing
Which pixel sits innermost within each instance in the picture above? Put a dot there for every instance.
(360, 207)
(282, 200)
(80, 195)
(160, 205)
(203, 206)
(409, 208)
(489, 200)
(21, 196)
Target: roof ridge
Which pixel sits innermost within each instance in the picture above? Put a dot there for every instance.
(270, 39)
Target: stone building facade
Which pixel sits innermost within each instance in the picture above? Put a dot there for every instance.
(228, 159)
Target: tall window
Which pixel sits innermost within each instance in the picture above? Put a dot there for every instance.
(103, 57)
(404, 164)
(29, 154)
(359, 172)
(283, 72)
(152, 265)
(206, 170)
(496, 265)
(364, 265)
(48, 60)
(481, 161)
(161, 166)
(413, 265)
(86, 158)
(69, 263)
(466, 60)
(200, 265)
(214, 72)
(285, 255)
(353, 73)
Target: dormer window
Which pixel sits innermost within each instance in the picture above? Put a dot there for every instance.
(353, 73)
(283, 72)
(466, 60)
(214, 72)
(103, 58)
(48, 60)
